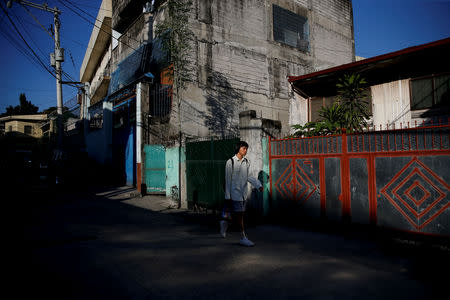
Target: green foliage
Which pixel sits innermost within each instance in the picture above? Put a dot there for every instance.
(24, 108)
(332, 122)
(176, 36)
(350, 112)
(351, 94)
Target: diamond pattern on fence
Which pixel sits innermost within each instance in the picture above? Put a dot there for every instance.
(295, 184)
(418, 193)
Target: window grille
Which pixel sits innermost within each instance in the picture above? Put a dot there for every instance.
(160, 100)
(290, 28)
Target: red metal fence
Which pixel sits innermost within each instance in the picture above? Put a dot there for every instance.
(394, 178)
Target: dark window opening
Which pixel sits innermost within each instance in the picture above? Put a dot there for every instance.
(290, 28)
(27, 129)
(96, 116)
(430, 92)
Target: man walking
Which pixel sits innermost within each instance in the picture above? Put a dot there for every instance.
(236, 180)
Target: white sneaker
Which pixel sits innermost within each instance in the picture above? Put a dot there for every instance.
(223, 228)
(246, 242)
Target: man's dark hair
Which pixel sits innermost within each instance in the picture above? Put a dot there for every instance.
(239, 145)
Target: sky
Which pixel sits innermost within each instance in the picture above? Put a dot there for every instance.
(380, 27)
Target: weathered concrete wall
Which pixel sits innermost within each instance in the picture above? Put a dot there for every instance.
(19, 126)
(172, 164)
(332, 32)
(239, 64)
(256, 131)
(298, 111)
(236, 63)
(124, 13)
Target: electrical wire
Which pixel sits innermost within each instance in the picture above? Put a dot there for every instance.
(26, 43)
(37, 21)
(28, 34)
(16, 44)
(19, 47)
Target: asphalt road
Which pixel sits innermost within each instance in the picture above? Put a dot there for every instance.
(111, 245)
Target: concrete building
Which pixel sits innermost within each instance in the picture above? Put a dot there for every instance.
(243, 52)
(95, 74)
(241, 55)
(407, 87)
(30, 125)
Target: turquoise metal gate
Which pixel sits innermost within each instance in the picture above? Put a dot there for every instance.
(155, 168)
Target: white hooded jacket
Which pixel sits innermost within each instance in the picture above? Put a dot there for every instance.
(236, 179)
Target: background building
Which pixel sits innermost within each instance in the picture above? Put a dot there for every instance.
(406, 87)
(241, 55)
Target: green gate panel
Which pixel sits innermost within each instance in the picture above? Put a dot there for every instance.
(155, 168)
(205, 171)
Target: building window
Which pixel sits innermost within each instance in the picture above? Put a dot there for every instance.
(96, 116)
(290, 28)
(430, 92)
(316, 104)
(27, 129)
(9, 128)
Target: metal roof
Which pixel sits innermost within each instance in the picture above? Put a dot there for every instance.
(425, 59)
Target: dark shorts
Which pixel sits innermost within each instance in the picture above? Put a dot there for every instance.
(236, 206)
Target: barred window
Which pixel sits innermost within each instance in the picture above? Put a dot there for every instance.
(290, 28)
(430, 92)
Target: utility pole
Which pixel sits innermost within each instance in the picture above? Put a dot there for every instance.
(59, 58)
(56, 58)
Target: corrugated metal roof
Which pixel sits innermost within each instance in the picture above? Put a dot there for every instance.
(370, 61)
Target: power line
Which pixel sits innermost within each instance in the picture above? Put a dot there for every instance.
(19, 47)
(37, 21)
(16, 44)
(29, 35)
(21, 36)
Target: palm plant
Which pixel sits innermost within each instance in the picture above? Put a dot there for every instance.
(331, 122)
(351, 93)
(350, 112)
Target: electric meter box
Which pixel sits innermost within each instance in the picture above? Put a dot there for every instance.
(52, 59)
(59, 54)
